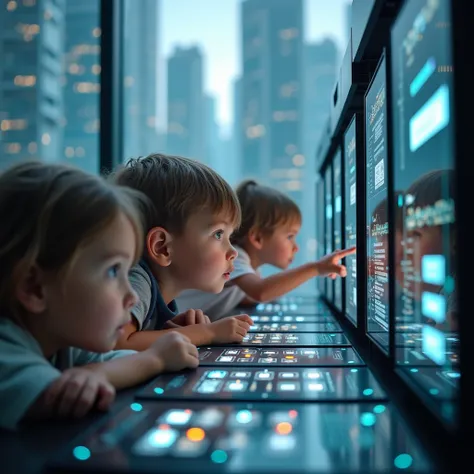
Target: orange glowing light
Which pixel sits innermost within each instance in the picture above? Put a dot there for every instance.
(195, 434)
(284, 428)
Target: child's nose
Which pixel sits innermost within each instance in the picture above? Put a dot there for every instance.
(232, 254)
(131, 299)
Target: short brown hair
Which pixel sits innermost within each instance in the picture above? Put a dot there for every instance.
(49, 212)
(263, 209)
(178, 187)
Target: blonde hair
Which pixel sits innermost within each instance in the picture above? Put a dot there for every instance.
(264, 209)
(49, 212)
(178, 187)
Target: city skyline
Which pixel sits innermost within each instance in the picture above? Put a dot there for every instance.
(220, 42)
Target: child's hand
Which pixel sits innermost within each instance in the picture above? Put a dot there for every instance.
(76, 392)
(329, 265)
(232, 329)
(175, 352)
(191, 316)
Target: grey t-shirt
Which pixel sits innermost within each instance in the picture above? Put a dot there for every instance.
(25, 373)
(222, 304)
(145, 285)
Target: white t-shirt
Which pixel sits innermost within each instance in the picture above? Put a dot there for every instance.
(221, 304)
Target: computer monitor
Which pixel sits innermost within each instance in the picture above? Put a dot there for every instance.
(320, 238)
(328, 227)
(338, 242)
(425, 232)
(376, 156)
(350, 212)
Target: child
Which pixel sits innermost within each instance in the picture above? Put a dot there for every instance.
(270, 223)
(67, 242)
(187, 246)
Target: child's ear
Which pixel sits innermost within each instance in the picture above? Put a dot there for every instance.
(158, 246)
(256, 239)
(30, 292)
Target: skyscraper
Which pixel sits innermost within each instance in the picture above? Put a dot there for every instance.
(272, 54)
(320, 70)
(320, 66)
(31, 100)
(212, 143)
(82, 85)
(186, 104)
(272, 45)
(141, 49)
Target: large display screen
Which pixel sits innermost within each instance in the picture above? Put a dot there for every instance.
(337, 222)
(328, 226)
(350, 209)
(425, 232)
(376, 147)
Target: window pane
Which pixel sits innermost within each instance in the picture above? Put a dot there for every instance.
(49, 82)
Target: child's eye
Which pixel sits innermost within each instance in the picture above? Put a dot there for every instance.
(219, 234)
(112, 272)
(291, 236)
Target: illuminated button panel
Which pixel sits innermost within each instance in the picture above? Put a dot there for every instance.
(296, 327)
(291, 308)
(277, 356)
(253, 437)
(265, 339)
(291, 319)
(260, 383)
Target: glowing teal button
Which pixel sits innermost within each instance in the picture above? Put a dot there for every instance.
(403, 461)
(354, 370)
(136, 407)
(81, 453)
(368, 419)
(219, 456)
(413, 370)
(158, 391)
(244, 417)
(434, 391)
(379, 409)
(367, 392)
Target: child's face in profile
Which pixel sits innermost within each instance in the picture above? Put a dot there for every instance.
(88, 308)
(203, 255)
(279, 248)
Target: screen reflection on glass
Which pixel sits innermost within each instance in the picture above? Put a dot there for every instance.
(425, 276)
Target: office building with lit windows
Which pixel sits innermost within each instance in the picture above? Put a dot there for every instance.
(82, 85)
(186, 104)
(31, 100)
(141, 58)
(272, 46)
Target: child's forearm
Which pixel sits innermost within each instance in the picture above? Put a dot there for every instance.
(198, 334)
(127, 371)
(281, 283)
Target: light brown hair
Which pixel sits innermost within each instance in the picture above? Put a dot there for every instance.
(48, 213)
(178, 187)
(264, 209)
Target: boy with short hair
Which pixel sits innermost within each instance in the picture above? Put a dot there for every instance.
(187, 246)
(270, 224)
